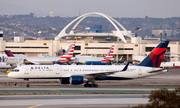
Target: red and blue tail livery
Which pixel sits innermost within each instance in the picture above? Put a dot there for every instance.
(154, 59)
(9, 53)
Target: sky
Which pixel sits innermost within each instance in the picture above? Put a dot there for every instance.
(113, 8)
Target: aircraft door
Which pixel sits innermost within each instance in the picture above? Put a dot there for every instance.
(26, 72)
(3, 58)
(140, 72)
(174, 65)
(58, 71)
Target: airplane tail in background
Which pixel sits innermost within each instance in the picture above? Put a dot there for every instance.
(154, 59)
(69, 54)
(64, 51)
(9, 53)
(109, 56)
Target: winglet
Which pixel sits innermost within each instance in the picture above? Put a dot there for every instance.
(126, 67)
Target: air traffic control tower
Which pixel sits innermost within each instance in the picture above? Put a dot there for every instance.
(119, 34)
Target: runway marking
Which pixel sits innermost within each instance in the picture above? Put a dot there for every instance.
(35, 106)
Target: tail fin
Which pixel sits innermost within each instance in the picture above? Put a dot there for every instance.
(70, 50)
(109, 56)
(9, 53)
(110, 53)
(154, 59)
(64, 51)
(68, 55)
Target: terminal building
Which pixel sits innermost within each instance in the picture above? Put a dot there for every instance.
(91, 42)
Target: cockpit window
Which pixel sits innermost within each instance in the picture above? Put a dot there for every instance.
(15, 70)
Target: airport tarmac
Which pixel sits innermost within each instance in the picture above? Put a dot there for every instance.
(59, 101)
(108, 94)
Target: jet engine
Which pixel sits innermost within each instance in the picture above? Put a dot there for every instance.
(75, 80)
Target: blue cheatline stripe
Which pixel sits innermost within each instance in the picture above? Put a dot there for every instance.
(157, 59)
(163, 44)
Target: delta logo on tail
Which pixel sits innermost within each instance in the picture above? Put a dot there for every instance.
(9, 53)
(68, 55)
(155, 58)
(109, 56)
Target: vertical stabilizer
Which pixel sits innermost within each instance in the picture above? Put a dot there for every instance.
(109, 56)
(154, 59)
(9, 53)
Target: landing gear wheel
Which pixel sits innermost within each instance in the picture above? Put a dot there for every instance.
(89, 85)
(27, 85)
(95, 85)
(85, 85)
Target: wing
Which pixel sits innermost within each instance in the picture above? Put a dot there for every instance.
(30, 62)
(93, 75)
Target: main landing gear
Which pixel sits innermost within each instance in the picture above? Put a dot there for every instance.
(91, 85)
(27, 85)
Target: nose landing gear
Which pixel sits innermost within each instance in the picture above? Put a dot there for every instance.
(27, 85)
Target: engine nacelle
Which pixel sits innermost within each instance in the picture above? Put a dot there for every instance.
(77, 80)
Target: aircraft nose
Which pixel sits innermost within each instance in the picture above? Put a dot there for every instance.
(9, 75)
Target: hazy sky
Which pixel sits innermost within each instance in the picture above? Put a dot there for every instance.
(113, 8)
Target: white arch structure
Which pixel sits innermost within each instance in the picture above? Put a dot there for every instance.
(110, 19)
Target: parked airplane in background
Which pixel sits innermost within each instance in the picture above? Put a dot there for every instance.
(4, 66)
(68, 56)
(11, 59)
(170, 64)
(90, 60)
(79, 74)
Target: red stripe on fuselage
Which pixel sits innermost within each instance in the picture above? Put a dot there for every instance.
(107, 57)
(105, 61)
(65, 57)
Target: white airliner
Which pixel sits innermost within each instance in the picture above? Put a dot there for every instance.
(79, 74)
(170, 64)
(90, 60)
(11, 59)
(4, 66)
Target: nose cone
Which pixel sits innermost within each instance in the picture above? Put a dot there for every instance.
(10, 75)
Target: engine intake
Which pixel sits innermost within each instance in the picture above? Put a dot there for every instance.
(77, 80)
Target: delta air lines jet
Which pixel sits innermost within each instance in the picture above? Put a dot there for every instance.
(79, 74)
